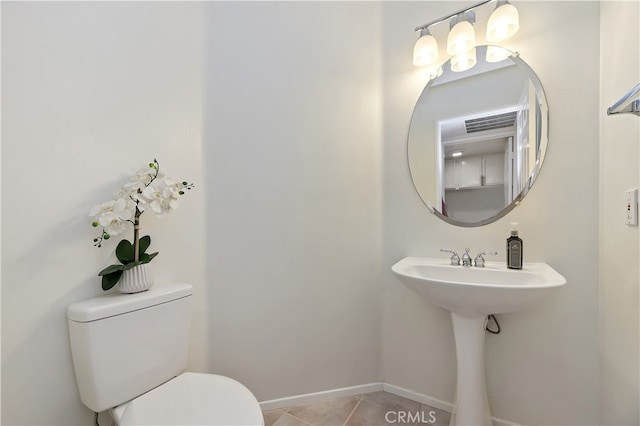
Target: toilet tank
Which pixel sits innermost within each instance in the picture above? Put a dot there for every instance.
(124, 345)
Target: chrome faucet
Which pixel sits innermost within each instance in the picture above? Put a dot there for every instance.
(455, 259)
(466, 258)
(479, 260)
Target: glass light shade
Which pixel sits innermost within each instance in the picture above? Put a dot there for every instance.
(503, 23)
(462, 37)
(496, 54)
(464, 61)
(425, 51)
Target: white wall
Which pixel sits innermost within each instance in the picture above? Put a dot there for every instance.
(273, 110)
(619, 277)
(90, 93)
(292, 147)
(543, 368)
(291, 118)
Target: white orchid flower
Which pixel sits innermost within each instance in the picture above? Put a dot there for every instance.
(130, 189)
(147, 190)
(171, 193)
(113, 215)
(114, 225)
(147, 174)
(152, 194)
(118, 206)
(171, 198)
(161, 196)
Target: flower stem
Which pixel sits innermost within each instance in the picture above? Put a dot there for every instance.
(136, 236)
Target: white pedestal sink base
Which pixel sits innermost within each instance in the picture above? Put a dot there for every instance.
(472, 407)
(470, 294)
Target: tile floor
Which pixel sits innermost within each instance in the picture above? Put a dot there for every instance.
(370, 409)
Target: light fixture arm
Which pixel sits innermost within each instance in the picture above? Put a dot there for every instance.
(444, 18)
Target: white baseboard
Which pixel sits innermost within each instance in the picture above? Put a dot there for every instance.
(434, 402)
(418, 397)
(310, 398)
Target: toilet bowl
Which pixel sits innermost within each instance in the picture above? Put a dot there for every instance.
(129, 357)
(192, 399)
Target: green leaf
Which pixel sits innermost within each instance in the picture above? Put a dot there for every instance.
(124, 251)
(110, 280)
(145, 242)
(111, 269)
(131, 265)
(146, 258)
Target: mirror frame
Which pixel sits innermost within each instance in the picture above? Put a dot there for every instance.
(541, 102)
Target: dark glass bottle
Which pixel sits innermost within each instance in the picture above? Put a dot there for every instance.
(514, 249)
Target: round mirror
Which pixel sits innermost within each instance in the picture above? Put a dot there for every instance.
(478, 137)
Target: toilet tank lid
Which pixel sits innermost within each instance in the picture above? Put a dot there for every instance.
(113, 304)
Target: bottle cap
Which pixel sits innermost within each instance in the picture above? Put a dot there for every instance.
(514, 228)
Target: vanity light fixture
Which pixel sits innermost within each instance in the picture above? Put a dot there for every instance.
(425, 51)
(496, 54)
(457, 153)
(464, 61)
(502, 24)
(462, 36)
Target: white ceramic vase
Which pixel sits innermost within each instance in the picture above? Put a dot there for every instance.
(136, 279)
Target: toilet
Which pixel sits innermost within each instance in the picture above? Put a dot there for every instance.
(130, 354)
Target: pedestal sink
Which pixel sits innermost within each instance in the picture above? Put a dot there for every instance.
(470, 294)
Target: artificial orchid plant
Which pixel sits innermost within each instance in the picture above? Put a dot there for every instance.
(149, 190)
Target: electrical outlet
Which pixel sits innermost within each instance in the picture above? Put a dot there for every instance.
(631, 207)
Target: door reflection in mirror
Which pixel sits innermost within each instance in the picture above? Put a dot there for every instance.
(477, 140)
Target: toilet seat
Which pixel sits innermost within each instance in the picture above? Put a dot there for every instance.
(193, 399)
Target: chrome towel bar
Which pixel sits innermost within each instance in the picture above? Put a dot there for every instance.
(629, 103)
